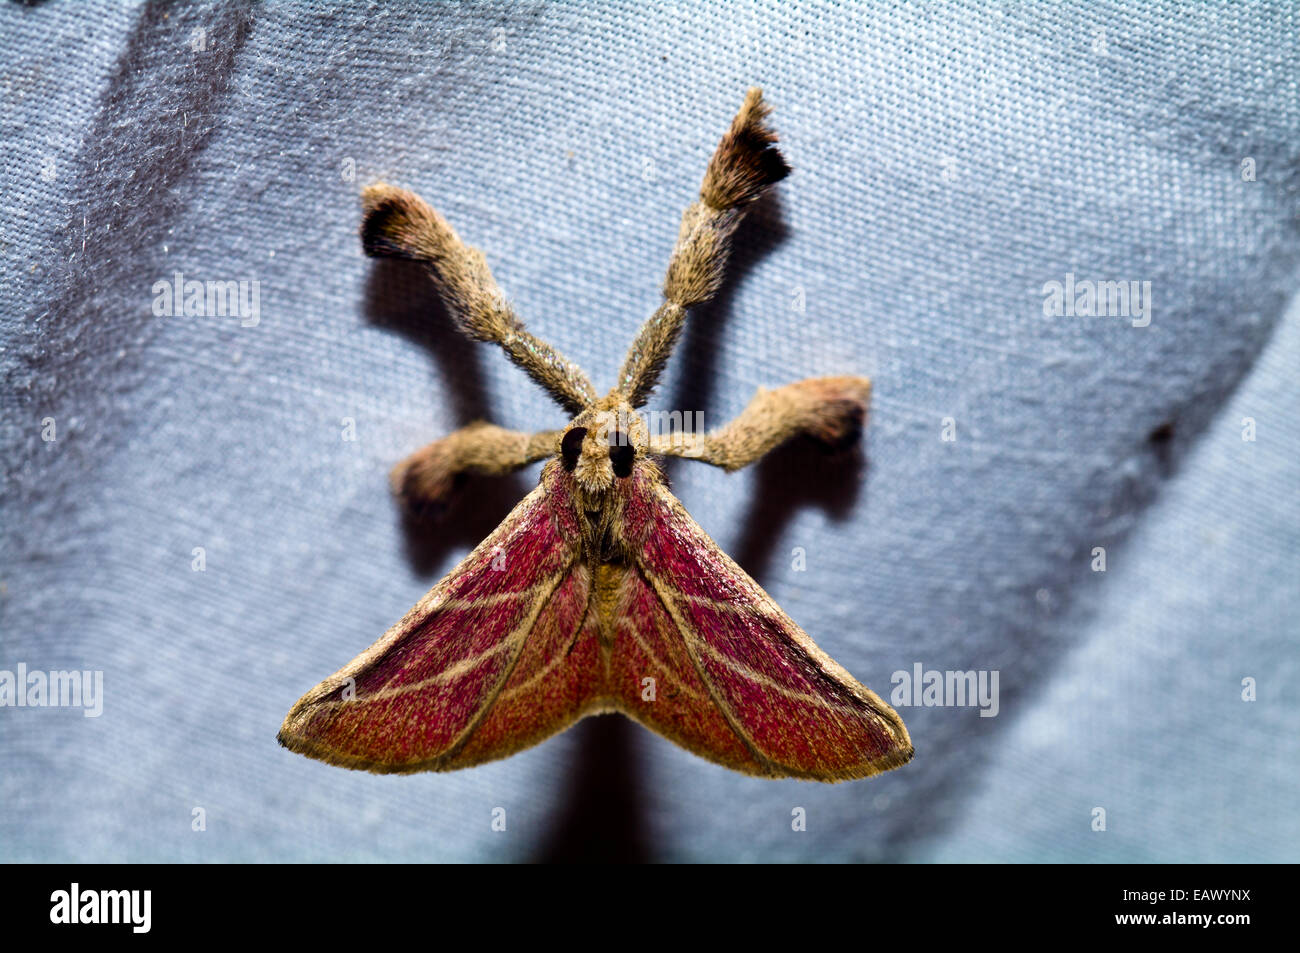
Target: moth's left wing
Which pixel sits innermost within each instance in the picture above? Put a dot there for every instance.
(499, 655)
(732, 657)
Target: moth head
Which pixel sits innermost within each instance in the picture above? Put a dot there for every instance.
(602, 444)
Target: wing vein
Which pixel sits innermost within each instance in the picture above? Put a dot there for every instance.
(559, 656)
(518, 635)
(658, 662)
(687, 633)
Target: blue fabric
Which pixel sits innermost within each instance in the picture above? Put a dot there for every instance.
(950, 162)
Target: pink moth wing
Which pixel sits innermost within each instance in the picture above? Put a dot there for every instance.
(490, 661)
(507, 650)
(725, 645)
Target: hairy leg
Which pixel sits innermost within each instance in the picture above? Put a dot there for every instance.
(400, 224)
(832, 409)
(745, 163)
(429, 475)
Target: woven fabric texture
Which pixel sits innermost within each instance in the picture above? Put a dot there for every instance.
(951, 161)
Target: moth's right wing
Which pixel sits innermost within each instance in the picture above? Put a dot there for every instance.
(498, 656)
(736, 680)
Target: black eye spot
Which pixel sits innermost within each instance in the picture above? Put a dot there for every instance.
(571, 447)
(620, 454)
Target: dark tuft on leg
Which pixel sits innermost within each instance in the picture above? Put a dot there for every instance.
(396, 224)
(746, 161)
(841, 429)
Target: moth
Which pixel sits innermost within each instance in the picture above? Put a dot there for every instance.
(599, 593)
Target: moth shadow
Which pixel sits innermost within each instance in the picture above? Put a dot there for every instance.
(602, 820)
(400, 297)
(801, 473)
(763, 230)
